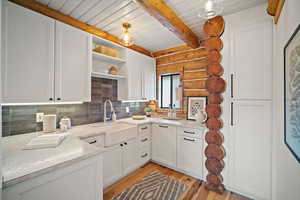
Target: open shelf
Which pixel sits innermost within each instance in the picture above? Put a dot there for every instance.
(108, 76)
(100, 56)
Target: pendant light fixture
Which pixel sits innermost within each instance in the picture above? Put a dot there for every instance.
(126, 37)
(211, 8)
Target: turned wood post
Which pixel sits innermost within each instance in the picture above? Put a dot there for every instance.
(215, 85)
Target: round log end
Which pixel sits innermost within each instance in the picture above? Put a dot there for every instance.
(214, 137)
(215, 188)
(215, 84)
(215, 98)
(214, 124)
(214, 179)
(214, 27)
(214, 56)
(215, 151)
(215, 69)
(213, 43)
(214, 166)
(213, 110)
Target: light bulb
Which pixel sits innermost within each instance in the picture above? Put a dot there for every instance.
(209, 6)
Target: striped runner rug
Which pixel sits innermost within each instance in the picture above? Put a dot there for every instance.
(155, 186)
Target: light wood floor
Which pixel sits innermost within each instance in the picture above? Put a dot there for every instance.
(195, 191)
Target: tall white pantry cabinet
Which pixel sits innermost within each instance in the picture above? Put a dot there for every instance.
(248, 103)
(43, 60)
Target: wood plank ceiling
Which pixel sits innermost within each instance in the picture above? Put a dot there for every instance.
(148, 33)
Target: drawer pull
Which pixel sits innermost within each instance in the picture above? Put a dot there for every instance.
(144, 155)
(93, 142)
(144, 140)
(191, 140)
(162, 126)
(189, 132)
(144, 128)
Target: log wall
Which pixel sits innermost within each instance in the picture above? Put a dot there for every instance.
(192, 66)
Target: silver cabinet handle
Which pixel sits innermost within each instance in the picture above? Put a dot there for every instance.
(231, 112)
(144, 128)
(189, 132)
(162, 126)
(93, 142)
(144, 140)
(231, 82)
(144, 155)
(191, 140)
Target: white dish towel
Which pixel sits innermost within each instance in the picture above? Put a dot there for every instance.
(45, 141)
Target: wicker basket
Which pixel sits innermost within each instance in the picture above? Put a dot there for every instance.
(109, 51)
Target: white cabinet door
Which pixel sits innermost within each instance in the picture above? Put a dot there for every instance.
(78, 181)
(28, 56)
(252, 61)
(164, 144)
(73, 64)
(189, 155)
(149, 78)
(250, 149)
(134, 75)
(112, 165)
(130, 156)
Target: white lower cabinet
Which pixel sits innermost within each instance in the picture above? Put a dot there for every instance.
(130, 156)
(164, 144)
(189, 155)
(120, 160)
(112, 168)
(250, 149)
(144, 143)
(81, 180)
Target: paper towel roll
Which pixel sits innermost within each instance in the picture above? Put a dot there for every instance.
(49, 123)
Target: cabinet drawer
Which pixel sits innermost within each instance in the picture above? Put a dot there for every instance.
(145, 155)
(145, 140)
(192, 132)
(143, 129)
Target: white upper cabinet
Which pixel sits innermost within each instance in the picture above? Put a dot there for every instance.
(141, 76)
(149, 78)
(28, 56)
(252, 61)
(72, 64)
(43, 60)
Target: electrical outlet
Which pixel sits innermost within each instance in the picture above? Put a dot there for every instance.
(39, 117)
(127, 109)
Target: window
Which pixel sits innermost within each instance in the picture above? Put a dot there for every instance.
(169, 83)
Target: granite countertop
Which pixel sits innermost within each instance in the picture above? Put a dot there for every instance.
(179, 123)
(19, 165)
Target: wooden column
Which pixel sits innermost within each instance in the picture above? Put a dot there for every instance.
(215, 85)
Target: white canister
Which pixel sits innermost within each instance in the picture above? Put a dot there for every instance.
(66, 121)
(49, 123)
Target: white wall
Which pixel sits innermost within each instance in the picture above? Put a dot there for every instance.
(0, 103)
(286, 171)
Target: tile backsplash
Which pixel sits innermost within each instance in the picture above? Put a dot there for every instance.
(22, 119)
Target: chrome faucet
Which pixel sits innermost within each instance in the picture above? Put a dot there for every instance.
(105, 118)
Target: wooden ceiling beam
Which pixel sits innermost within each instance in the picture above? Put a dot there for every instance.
(40, 8)
(168, 18)
(170, 50)
(274, 9)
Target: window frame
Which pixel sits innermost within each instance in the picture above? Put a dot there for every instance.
(171, 89)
